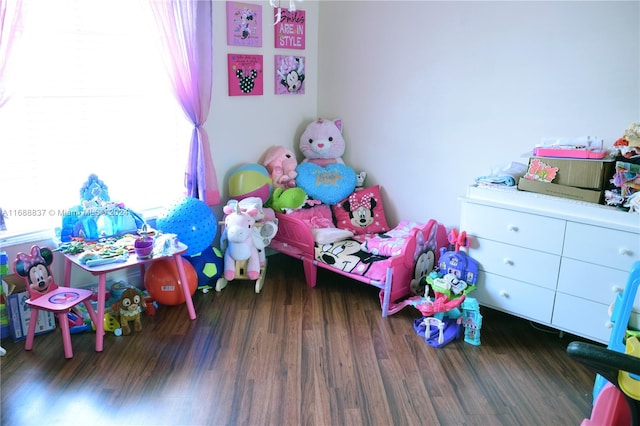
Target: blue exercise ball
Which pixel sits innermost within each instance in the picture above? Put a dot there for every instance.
(192, 221)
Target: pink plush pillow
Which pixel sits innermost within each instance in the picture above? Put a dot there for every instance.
(361, 212)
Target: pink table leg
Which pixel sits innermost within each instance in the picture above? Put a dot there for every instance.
(67, 272)
(185, 286)
(102, 289)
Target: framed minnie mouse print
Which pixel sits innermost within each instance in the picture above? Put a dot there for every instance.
(244, 24)
(290, 75)
(245, 74)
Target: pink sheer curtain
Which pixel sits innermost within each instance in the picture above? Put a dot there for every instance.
(186, 30)
(10, 16)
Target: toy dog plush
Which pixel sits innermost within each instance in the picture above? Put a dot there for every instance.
(129, 308)
(281, 164)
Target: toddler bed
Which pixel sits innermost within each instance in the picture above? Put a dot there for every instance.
(392, 260)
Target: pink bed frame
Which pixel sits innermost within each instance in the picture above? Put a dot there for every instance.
(294, 238)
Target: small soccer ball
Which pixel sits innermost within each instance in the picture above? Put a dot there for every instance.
(209, 266)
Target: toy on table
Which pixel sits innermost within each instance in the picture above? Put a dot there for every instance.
(97, 216)
(241, 257)
(129, 309)
(143, 245)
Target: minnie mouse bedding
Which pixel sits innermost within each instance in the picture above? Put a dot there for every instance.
(389, 260)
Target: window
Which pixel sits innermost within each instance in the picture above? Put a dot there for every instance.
(90, 95)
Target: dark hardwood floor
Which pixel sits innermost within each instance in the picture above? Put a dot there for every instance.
(291, 356)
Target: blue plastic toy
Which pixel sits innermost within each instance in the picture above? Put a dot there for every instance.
(471, 320)
(97, 216)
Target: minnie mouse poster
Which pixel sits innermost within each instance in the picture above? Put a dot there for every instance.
(290, 74)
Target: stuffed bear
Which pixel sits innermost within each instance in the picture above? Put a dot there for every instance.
(281, 164)
(322, 142)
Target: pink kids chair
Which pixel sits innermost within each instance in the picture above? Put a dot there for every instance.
(46, 295)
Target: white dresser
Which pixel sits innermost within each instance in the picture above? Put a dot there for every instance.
(554, 261)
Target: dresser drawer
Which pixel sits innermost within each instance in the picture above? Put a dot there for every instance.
(522, 299)
(592, 282)
(512, 227)
(602, 246)
(530, 266)
(582, 317)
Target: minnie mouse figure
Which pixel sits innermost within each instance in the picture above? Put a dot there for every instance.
(35, 268)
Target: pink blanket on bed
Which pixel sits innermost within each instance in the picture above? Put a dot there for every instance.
(389, 243)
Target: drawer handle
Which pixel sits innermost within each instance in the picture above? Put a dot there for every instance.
(625, 252)
(608, 324)
(512, 228)
(504, 294)
(507, 261)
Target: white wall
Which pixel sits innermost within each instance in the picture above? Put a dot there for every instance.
(433, 94)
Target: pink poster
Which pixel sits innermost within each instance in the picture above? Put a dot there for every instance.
(290, 30)
(245, 74)
(290, 74)
(244, 24)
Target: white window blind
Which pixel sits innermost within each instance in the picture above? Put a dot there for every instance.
(90, 95)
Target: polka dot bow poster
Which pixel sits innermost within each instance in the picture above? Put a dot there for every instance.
(245, 75)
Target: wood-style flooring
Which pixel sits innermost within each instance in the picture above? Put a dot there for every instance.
(293, 355)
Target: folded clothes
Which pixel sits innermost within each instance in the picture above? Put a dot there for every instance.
(505, 180)
(507, 175)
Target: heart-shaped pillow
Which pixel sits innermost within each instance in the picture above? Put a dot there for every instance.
(328, 184)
